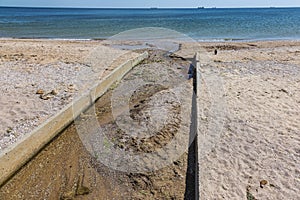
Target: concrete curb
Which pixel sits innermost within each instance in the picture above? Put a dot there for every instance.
(197, 76)
(209, 92)
(13, 158)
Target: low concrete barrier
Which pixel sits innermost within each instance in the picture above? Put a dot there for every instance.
(211, 112)
(196, 83)
(21, 152)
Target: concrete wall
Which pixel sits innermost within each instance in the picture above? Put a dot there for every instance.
(197, 90)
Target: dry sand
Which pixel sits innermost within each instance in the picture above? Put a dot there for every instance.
(39, 77)
(257, 153)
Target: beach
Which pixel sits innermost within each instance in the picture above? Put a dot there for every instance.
(255, 155)
(40, 77)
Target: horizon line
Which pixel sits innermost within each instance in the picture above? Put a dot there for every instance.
(202, 7)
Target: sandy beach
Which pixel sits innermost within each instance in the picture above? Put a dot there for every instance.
(255, 156)
(39, 77)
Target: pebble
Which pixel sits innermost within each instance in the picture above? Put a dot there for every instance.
(67, 196)
(9, 130)
(263, 183)
(54, 92)
(46, 97)
(82, 190)
(71, 88)
(40, 91)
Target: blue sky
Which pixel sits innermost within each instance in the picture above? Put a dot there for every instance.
(152, 3)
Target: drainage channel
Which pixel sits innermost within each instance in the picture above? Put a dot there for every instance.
(74, 166)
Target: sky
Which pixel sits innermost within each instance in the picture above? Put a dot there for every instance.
(151, 3)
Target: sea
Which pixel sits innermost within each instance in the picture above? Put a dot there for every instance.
(201, 24)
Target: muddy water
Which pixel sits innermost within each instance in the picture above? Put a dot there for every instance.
(68, 169)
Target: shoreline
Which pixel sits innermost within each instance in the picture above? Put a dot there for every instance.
(152, 8)
(224, 40)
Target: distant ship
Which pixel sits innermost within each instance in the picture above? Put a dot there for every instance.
(153, 8)
(200, 7)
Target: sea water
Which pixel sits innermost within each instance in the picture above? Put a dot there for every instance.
(200, 24)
